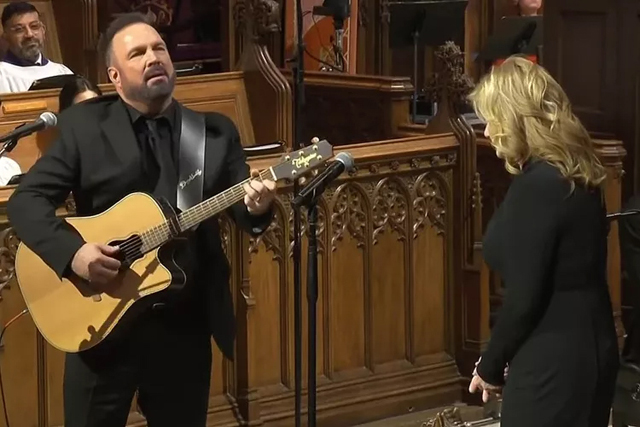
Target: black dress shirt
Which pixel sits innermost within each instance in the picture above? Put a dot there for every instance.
(158, 140)
(159, 143)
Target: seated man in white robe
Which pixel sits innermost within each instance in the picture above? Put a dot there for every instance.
(24, 62)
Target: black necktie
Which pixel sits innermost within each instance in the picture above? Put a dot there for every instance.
(167, 176)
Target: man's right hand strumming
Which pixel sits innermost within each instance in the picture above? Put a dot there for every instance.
(95, 263)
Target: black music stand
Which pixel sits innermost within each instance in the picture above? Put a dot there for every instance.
(53, 82)
(514, 35)
(425, 23)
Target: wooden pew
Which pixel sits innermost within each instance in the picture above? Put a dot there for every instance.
(351, 108)
(388, 306)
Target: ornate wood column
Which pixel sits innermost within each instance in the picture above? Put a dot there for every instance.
(258, 26)
(449, 87)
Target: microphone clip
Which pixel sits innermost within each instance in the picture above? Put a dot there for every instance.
(8, 146)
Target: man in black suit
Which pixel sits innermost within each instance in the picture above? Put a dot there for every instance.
(107, 149)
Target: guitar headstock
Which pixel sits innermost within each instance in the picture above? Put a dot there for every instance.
(301, 162)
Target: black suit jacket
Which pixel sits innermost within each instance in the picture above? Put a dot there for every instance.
(97, 159)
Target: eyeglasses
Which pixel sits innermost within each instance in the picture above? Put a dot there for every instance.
(20, 30)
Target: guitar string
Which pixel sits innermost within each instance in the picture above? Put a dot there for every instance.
(157, 234)
(160, 232)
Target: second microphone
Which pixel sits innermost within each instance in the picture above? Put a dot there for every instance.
(343, 162)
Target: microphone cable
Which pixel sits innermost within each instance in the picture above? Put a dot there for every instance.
(2, 396)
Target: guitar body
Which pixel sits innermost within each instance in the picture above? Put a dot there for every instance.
(68, 313)
(72, 317)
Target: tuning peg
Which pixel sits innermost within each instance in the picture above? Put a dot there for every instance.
(315, 140)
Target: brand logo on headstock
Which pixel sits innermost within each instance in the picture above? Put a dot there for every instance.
(304, 161)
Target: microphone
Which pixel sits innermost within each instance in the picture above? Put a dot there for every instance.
(343, 162)
(46, 119)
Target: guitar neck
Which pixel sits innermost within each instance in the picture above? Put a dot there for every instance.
(159, 235)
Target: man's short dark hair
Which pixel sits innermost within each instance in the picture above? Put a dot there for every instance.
(117, 25)
(16, 8)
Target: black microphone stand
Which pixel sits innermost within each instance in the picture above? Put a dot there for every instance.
(298, 122)
(311, 203)
(8, 146)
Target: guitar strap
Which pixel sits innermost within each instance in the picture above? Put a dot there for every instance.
(193, 137)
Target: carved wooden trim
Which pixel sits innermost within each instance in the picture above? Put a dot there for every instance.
(8, 247)
(611, 154)
(449, 86)
(390, 210)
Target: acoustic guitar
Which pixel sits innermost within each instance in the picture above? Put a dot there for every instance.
(73, 317)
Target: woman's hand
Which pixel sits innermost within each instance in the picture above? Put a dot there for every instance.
(478, 383)
(475, 369)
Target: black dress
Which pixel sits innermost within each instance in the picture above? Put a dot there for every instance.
(555, 329)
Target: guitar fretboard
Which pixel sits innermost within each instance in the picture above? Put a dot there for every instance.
(160, 234)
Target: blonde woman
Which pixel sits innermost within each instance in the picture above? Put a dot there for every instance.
(547, 240)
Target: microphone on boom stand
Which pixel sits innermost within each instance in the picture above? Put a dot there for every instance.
(343, 162)
(10, 173)
(308, 196)
(298, 88)
(339, 10)
(46, 119)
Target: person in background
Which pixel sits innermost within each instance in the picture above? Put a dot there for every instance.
(548, 241)
(525, 8)
(76, 91)
(528, 7)
(24, 62)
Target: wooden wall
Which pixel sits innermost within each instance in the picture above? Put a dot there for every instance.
(590, 49)
(80, 23)
(394, 318)
(386, 315)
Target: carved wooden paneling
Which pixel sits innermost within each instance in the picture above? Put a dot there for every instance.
(385, 309)
(387, 317)
(449, 87)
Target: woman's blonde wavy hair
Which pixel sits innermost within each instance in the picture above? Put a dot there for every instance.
(529, 116)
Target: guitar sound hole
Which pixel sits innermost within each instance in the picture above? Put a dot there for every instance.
(130, 250)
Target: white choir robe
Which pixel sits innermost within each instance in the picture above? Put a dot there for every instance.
(15, 78)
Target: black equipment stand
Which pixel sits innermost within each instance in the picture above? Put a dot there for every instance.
(514, 35)
(339, 10)
(298, 123)
(311, 203)
(8, 146)
(425, 23)
(312, 301)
